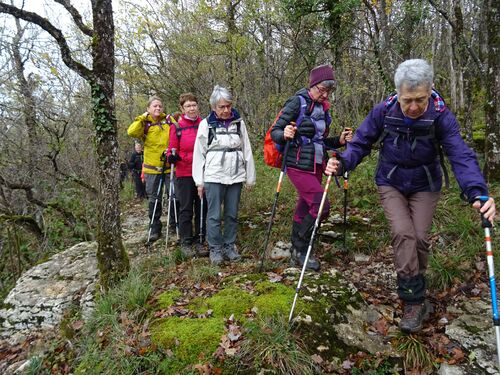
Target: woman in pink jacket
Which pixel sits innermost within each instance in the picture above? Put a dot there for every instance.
(182, 138)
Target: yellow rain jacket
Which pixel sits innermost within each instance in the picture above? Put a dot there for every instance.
(155, 140)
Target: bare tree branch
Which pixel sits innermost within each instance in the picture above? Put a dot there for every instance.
(76, 17)
(54, 32)
(28, 189)
(24, 220)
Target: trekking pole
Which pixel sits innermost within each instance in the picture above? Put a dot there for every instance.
(176, 216)
(158, 194)
(170, 195)
(275, 204)
(346, 188)
(201, 220)
(486, 224)
(309, 248)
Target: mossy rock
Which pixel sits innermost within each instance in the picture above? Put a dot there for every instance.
(326, 309)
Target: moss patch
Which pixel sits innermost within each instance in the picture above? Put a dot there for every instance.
(191, 340)
(274, 298)
(168, 298)
(230, 300)
(324, 297)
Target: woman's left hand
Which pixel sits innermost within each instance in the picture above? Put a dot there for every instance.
(345, 136)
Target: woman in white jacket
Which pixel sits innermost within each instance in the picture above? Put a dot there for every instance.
(222, 162)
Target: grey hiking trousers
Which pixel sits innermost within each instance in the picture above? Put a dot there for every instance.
(223, 203)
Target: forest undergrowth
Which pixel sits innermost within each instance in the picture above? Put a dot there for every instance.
(123, 337)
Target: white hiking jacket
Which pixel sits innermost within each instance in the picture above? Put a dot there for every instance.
(227, 160)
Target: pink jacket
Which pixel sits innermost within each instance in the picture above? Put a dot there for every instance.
(183, 142)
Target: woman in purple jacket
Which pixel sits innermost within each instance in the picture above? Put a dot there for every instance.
(410, 126)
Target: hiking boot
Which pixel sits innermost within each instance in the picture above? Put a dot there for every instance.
(155, 236)
(201, 250)
(216, 257)
(230, 253)
(300, 257)
(187, 251)
(413, 317)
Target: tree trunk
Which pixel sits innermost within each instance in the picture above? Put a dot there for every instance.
(27, 101)
(492, 87)
(111, 256)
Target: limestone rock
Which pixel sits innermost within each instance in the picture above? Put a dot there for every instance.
(44, 292)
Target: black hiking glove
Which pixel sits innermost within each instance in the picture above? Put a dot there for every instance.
(172, 159)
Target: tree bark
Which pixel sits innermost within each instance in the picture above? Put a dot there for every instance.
(492, 87)
(111, 255)
(27, 100)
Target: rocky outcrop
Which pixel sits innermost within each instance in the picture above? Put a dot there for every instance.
(44, 292)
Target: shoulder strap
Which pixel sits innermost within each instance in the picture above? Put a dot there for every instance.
(440, 154)
(302, 112)
(147, 125)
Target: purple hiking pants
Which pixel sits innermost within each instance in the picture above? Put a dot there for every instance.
(310, 191)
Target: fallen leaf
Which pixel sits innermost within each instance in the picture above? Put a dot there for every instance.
(347, 365)
(380, 326)
(317, 359)
(203, 369)
(77, 325)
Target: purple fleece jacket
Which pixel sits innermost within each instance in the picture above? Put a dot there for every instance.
(407, 164)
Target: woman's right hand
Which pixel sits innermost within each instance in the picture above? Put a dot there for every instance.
(289, 132)
(332, 166)
(200, 192)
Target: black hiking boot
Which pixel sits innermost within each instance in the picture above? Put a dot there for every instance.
(201, 250)
(155, 236)
(301, 233)
(413, 317)
(155, 231)
(300, 257)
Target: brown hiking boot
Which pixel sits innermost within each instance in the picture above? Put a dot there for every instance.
(413, 317)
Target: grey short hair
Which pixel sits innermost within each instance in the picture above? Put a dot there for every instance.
(413, 73)
(329, 84)
(218, 94)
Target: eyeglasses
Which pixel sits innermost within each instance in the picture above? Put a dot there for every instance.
(190, 106)
(323, 90)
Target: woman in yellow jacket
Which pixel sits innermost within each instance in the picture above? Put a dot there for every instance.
(152, 127)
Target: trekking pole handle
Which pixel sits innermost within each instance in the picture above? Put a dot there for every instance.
(485, 223)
